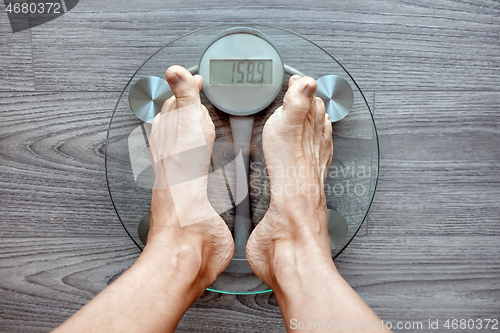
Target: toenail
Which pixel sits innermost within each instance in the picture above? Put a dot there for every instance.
(173, 78)
(309, 90)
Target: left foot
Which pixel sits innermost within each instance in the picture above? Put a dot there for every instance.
(182, 218)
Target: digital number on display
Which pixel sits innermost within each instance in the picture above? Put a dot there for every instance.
(258, 71)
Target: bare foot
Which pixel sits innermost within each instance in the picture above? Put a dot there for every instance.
(182, 219)
(297, 143)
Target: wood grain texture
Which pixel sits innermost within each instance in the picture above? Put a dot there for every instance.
(44, 280)
(16, 62)
(439, 164)
(418, 278)
(390, 45)
(52, 165)
(55, 157)
(430, 246)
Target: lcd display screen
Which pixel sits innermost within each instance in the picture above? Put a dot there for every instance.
(241, 71)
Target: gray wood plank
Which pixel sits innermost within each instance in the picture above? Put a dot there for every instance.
(398, 44)
(439, 164)
(59, 275)
(16, 64)
(55, 158)
(45, 280)
(415, 278)
(52, 165)
(427, 254)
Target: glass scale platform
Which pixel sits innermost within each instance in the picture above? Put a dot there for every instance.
(351, 180)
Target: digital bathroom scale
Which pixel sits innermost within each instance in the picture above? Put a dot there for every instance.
(245, 68)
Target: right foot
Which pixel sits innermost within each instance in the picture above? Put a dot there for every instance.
(298, 147)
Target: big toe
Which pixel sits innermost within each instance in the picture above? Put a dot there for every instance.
(298, 100)
(185, 87)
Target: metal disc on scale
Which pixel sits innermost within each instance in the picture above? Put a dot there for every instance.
(147, 96)
(143, 229)
(337, 95)
(337, 229)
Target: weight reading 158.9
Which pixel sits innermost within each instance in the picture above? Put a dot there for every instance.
(248, 72)
(34, 8)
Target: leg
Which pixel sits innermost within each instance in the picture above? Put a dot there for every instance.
(289, 249)
(188, 244)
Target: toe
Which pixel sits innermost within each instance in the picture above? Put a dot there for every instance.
(298, 100)
(199, 81)
(168, 105)
(326, 146)
(327, 128)
(185, 87)
(292, 79)
(319, 120)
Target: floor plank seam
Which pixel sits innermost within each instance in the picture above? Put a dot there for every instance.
(32, 61)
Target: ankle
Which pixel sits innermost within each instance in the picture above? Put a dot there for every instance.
(294, 264)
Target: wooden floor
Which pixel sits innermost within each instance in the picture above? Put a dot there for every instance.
(430, 248)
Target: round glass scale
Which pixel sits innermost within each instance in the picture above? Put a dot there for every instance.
(245, 70)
